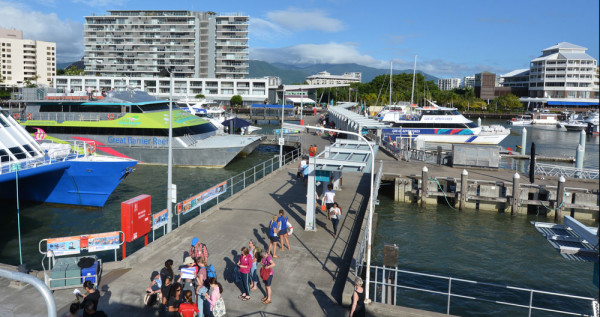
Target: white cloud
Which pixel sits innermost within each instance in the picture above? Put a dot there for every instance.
(296, 19)
(266, 30)
(330, 53)
(339, 53)
(67, 35)
(101, 3)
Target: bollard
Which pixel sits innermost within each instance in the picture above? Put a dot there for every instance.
(515, 193)
(424, 181)
(479, 121)
(464, 180)
(439, 155)
(579, 160)
(560, 196)
(523, 141)
(582, 139)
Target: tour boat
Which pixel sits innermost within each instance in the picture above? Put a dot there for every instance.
(521, 120)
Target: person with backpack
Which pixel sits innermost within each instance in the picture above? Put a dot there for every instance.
(282, 233)
(334, 214)
(217, 305)
(198, 249)
(273, 237)
(201, 289)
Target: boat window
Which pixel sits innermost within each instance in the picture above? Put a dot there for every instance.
(4, 156)
(16, 151)
(181, 131)
(154, 107)
(29, 149)
(472, 125)
(3, 123)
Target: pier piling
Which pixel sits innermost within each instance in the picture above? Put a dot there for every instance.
(515, 194)
(479, 121)
(582, 139)
(560, 196)
(424, 181)
(579, 159)
(464, 180)
(523, 141)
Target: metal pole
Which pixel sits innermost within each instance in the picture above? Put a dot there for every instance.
(412, 94)
(301, 106)
(18, 216)
(281, 132)
(35, 282)
(170, 160)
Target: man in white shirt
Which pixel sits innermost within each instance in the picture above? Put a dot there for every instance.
(329, 198)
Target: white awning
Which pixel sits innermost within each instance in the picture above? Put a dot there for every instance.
(299, 100)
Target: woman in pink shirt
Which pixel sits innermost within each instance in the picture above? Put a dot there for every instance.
(245, 264)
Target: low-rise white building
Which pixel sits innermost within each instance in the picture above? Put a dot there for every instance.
(24, 60)
(448, 83)
(469, 82)
(325, 78)
(220, 90)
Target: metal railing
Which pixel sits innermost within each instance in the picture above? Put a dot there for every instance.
(388, 281)
(238, 183)
(78, 149)
(38, 284)
(565, 171)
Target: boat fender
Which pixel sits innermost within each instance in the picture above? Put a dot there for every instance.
(16, 116)
(290, 229)
(91, 148)
(408, 117)
(29, 116)
(111, 116)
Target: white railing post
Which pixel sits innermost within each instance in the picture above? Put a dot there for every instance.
(530, 301)
(449, 295)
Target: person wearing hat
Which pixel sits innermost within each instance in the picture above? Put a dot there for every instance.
(197, 249)
(188, 283)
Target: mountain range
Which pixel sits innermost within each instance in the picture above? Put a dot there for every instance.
(295, 74)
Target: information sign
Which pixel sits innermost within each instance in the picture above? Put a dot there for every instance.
(160, 219)
(104, 241)
(64, 246)
(201, 198)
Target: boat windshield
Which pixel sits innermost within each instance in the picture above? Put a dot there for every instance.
(438, 112)
(150, 107)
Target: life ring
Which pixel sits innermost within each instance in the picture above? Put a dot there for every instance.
(290, 229)
(29, 116)
(91, 148)
(111, 116)
(408, 117)
(16, 116)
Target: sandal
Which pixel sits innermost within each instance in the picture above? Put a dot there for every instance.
(266, 302)
(275, 256)
(246, 298)
(241, 296)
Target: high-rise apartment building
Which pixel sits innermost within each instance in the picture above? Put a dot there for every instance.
(25, 60)
(468, 82)
(448, 83)
(325, 78)
(142, 43)
(564, 71)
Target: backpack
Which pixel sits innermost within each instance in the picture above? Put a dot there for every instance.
(150, 299)
(210, 272)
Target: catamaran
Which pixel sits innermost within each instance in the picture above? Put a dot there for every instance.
(442, 125)
(135, 125)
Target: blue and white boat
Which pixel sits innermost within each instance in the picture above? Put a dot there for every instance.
(61, 173)
(437, 124)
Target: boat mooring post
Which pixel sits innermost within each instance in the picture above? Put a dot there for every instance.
(523, 141)
(582, 139)
(560, 197)
(424, 181)
(479, 121)
(464, 180)
(515, 193)
(579, 160)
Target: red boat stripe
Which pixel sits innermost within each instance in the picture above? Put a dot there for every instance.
(100, 146)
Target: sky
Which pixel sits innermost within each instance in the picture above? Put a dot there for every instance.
(450, 38)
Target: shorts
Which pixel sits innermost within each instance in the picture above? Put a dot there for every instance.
(268, 282)
(329, 205)
(282, 232)
(155, 288)
(274, 239)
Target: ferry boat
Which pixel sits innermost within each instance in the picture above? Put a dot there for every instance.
(63, 173)
(442, 125)
(133, 124)
(521, 120)
(390, 112)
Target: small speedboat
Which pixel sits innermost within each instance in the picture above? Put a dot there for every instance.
(521, 120)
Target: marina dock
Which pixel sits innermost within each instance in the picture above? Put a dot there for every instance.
(314, 278)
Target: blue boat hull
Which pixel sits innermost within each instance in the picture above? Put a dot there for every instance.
(71, 182)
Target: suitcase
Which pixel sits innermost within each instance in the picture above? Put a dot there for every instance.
(92, 270)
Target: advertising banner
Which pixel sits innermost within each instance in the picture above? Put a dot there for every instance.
(201, 198)
(64, 246)
(159, 219)
(104, 241)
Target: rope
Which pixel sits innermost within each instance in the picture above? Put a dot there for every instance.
(559, 206)
(440, 187)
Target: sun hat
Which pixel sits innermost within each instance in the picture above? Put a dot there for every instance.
(188, 260)
(194, 241)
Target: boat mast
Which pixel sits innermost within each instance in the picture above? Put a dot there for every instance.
(390, 82)
(412, 94)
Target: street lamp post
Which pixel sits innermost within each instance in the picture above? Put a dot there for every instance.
(370, 219)
(170, 158)
(281, 130)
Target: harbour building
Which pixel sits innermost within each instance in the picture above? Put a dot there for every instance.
(564, 70)
(325, 78)
(24, 61)
(141, 43)
(448, 83)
